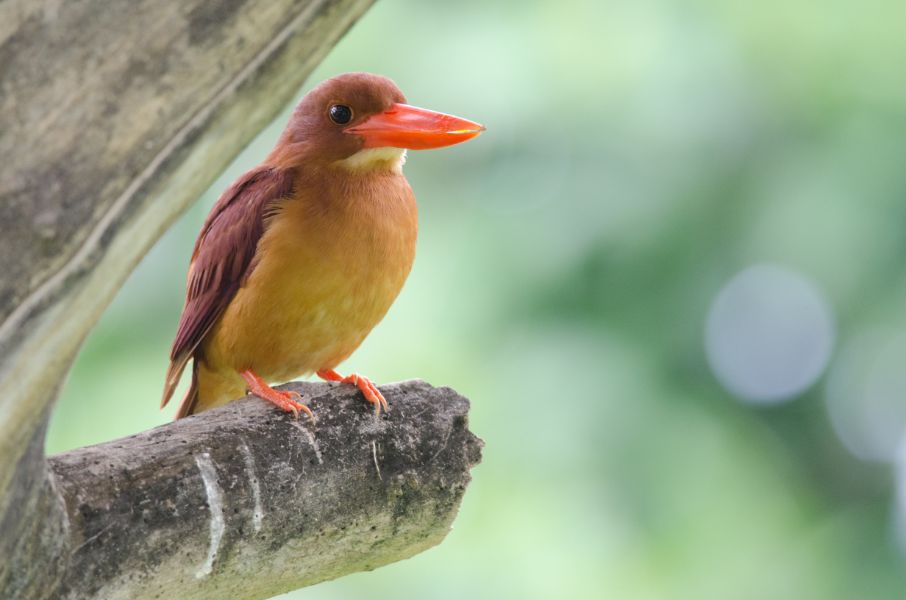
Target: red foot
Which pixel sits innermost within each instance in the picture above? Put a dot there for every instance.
(286, 401)
(372, 394)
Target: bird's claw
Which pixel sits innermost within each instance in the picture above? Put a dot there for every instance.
(374, 395)
(290, 402)
(368, 389)
(287, 401)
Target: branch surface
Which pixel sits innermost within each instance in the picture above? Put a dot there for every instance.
(247, 502)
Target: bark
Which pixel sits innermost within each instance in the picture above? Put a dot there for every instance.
(247, 502)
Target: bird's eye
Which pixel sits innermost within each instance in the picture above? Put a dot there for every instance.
(340, 114)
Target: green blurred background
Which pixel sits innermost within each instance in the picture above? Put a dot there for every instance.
(662, 420)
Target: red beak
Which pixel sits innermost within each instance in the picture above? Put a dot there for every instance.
(404, 126)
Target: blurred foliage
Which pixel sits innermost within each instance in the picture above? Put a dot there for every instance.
(638, 155)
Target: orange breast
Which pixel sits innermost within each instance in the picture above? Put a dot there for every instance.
(326, 271)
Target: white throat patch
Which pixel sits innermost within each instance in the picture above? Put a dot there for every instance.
(391, 159)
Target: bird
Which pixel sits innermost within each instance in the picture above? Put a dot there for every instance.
(303, 255)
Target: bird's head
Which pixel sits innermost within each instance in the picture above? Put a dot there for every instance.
(360, 121)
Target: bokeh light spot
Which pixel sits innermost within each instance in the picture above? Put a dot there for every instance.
(866, 395)
(769, 334)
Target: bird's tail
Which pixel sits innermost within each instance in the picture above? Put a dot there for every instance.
(190, 400)
(174, 373)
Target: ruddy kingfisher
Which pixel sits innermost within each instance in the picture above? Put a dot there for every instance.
(304, 254)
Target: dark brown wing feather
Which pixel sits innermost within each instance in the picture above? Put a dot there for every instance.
(221, 262)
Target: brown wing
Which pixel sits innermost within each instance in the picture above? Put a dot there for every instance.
(222, 260)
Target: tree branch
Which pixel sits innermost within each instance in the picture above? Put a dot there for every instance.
(246, 502)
